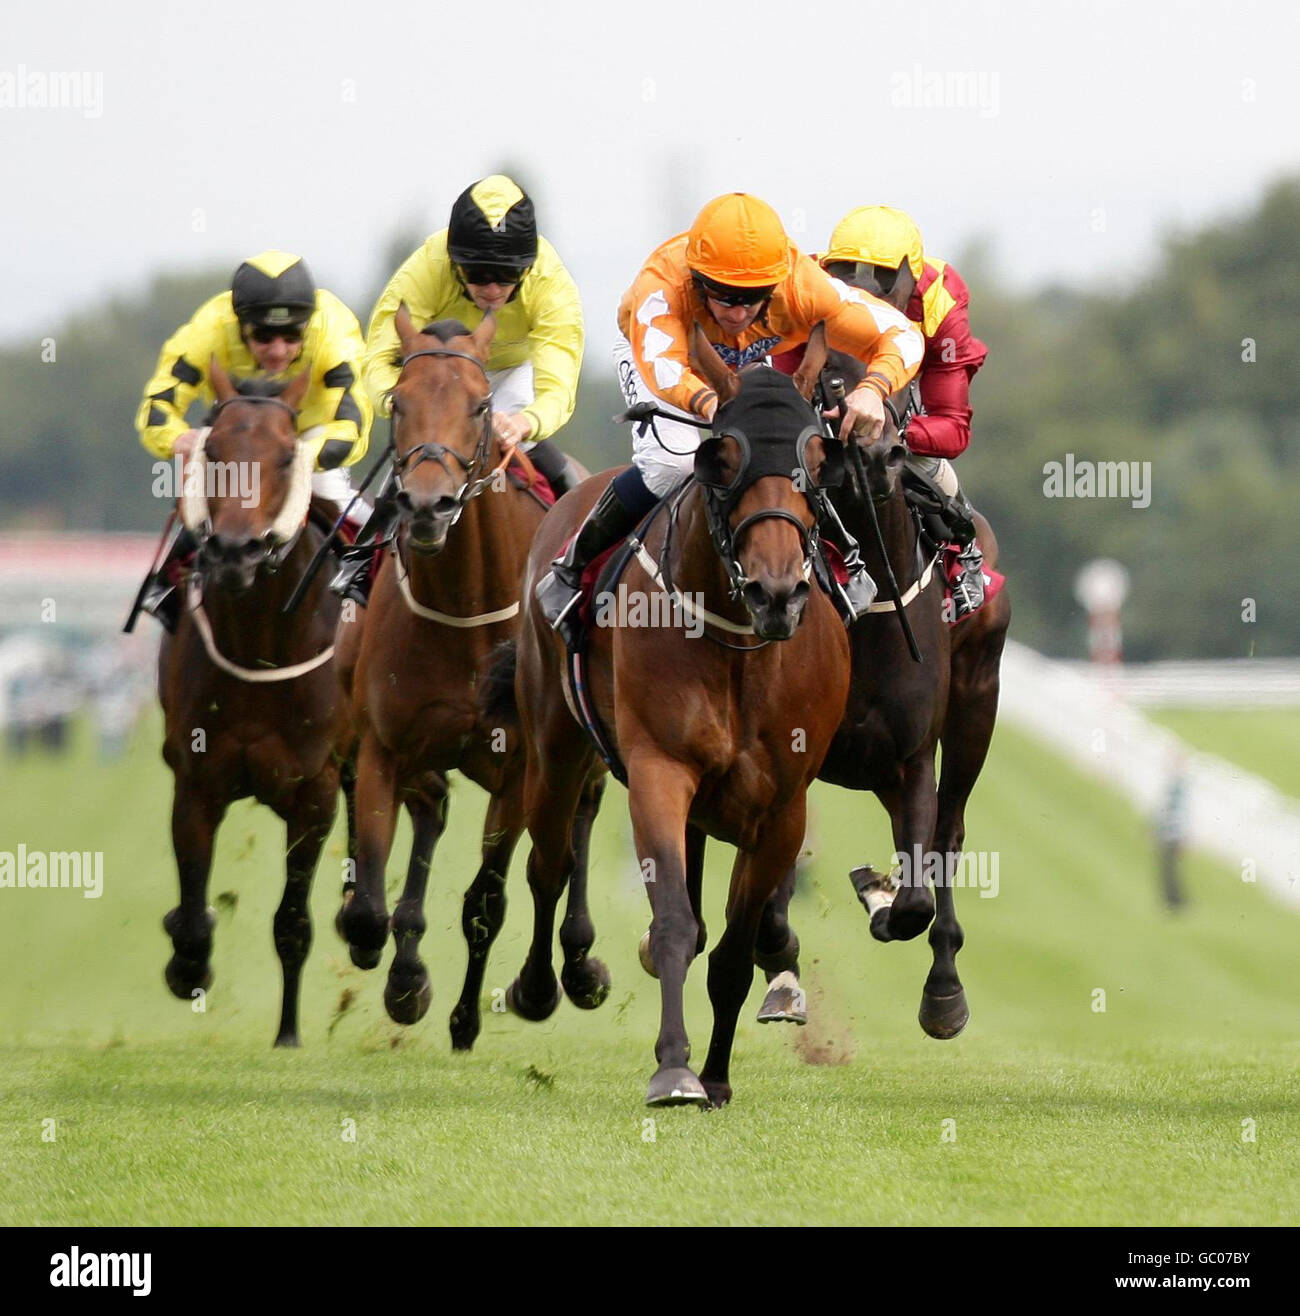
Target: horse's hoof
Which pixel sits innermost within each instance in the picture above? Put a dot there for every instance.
(407, 996)
(719, 1093)
(288, 1040)
(364, 957)
(184, 977)
(876, 893)
(676, 1087)
(785, 1002)
(643, 954)
(944, 1016)
(586, 985)
(520, 1004)
(464, 1025)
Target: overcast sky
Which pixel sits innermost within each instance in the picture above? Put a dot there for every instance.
(1071, 135)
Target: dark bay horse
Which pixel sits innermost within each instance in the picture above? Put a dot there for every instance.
(898, 711)
(721, 728)
(446, 595)
(251, 700)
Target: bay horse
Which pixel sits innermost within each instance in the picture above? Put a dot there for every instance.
(251, 701)
(721, 728)
(446, 595)
(898, 711)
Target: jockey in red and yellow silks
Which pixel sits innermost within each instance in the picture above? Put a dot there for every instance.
(879, 249)
(736, 276)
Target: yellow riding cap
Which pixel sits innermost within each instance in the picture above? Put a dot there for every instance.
(877, 235)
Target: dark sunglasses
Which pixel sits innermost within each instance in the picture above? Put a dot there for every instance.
(266, 333)
(485, 274)
(725, 295)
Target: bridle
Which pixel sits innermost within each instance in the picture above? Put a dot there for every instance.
(475, 482)
(278, 547)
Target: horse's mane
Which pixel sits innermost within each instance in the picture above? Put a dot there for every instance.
(261, 387)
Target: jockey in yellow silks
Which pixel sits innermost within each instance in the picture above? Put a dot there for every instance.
(272, 324)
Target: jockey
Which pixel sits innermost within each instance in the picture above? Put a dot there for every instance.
(489, 259)
(878, 249)
(736, 275)
(272, 318)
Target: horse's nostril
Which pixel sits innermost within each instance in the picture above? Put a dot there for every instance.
(404, 500)
(252, 548)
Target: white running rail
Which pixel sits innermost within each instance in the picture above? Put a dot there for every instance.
(1084, 715)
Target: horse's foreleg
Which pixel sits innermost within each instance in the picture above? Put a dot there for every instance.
(585, 978)
(909, 913)
(553, 787)
(306, 828)
(968, 729)
(363, 918)
(696, 839)
(484, 907)
(407, 992)
(754, 878)
(776, 952)
(195, 818)
(348, 785)
(660, 795)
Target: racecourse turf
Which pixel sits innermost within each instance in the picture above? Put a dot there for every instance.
(1261, 740)
(1176, 1104)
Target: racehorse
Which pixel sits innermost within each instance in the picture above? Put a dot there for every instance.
(251, 702)
(446, 594)
(717, 736)
(897, 712)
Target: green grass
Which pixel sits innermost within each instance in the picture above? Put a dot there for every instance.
(1262, 741)
(1061, 1113)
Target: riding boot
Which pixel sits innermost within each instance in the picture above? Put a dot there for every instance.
(352, 580)
(558, 592)
(161, 598)
(968, 588)
(560, 472)
(854, 598)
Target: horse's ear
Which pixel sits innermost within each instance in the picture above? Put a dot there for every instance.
(814, 361)
(296, 389)
(405, 328)
(222, 385)
(482, 336)
(712, 367)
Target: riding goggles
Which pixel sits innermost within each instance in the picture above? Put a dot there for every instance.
(482, 275)
(727, 295)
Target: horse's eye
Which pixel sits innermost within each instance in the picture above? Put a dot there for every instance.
(482, 408)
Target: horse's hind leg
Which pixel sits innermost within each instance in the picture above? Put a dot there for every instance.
(776, 952)
(912, 811)
(195, 818)
(348, 785)
(585, 978)
(484, 907)
(407, 992)
(306, 828)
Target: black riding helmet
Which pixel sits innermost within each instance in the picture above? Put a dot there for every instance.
(274, 289)
(493, 227)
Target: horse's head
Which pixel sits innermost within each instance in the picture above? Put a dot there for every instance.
(442, 425)
(761, 471)
(882, 460)
(247, 487)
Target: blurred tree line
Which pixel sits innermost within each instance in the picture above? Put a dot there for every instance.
(1193, 369)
